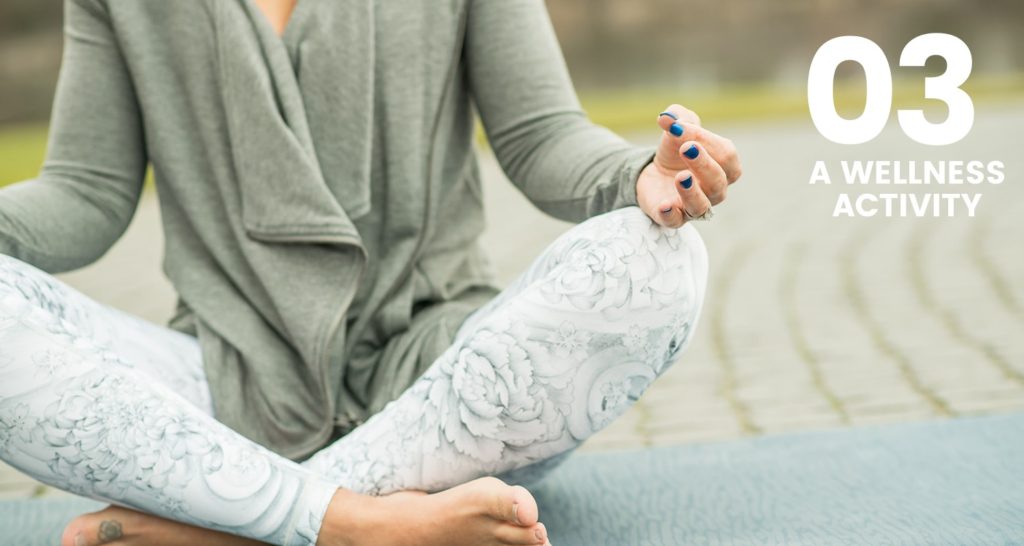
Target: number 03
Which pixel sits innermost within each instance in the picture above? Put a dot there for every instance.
(945, 87)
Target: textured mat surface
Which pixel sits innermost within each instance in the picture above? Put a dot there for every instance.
(942, 482)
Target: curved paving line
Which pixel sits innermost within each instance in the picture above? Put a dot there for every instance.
(794, 257)
(719, 339)
(997, 281)
(946, 316)
(855, 294)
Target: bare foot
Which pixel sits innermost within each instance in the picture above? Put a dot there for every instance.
(483, 512)
(123, 527)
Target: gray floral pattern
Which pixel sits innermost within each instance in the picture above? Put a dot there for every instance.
(557, 356)
(105, 405)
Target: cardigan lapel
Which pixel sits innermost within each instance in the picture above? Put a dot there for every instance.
(284, 195)
(334, 58)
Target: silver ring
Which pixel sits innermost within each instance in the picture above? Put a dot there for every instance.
(708, 215)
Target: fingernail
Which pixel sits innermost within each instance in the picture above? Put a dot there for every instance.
(79, 540)
(515, 512)
(687, 182)
(676, 129)
(692, 152)
(669, 114)
(666, 211)
(539, 534)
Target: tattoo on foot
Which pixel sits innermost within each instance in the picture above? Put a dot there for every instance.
(110, 530)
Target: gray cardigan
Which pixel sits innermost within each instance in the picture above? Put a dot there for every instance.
(319, 193)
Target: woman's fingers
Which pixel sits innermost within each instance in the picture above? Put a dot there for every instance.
(671, 201)
(682, 128)
(709, 178)
(723, 151)
(666, 205)
(676, 112)
(705, 164)
(694, 203)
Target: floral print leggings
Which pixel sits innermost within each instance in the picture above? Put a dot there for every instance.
(105, 405)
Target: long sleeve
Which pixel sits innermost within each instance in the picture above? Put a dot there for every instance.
(90, 182)
(566, 165)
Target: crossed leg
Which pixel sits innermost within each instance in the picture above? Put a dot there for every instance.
(85, 404)
(107, 406)
(554, 358)
(99, 403)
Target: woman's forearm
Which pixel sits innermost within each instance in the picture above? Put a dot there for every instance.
(562, 162)
(61, 224)
(571, 168)
(91, 180)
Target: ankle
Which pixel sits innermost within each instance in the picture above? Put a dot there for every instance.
(347, 517)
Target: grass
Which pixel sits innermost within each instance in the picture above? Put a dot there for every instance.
(22, 147)
(21, 151)
(631, 111)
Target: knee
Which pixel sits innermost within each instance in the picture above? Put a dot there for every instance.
(679, 252)
(23, 286)
(11, 275)
(13, 272)
(623, 261)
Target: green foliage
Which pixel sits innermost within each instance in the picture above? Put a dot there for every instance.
(633, 111)
(22, 148)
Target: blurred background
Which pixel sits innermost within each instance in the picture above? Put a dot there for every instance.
(642, 46)
(811, 322)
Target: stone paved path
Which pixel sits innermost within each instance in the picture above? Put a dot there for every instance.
(811, 322)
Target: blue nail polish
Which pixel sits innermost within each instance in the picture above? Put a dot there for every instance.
(692, 152)
(686, 182)
(676, 129)
(669, 114)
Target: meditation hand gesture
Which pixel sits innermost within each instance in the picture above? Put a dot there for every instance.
(691, 171)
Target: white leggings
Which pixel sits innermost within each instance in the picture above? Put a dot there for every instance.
(105, 405)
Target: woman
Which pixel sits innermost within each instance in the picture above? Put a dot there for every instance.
(321, 207)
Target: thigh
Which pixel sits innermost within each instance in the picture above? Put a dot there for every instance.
(625, 239)
(557, 356)
(107, 406)
(37, 300)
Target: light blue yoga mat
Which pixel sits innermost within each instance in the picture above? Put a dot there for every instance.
(955, 482)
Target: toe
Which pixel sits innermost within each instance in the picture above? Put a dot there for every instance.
(526, 512)
(501, 501)
(92, 529)
(74, 534)
(515, 534)
(514, 504)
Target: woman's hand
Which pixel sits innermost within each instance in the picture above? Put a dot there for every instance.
(691, 171)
